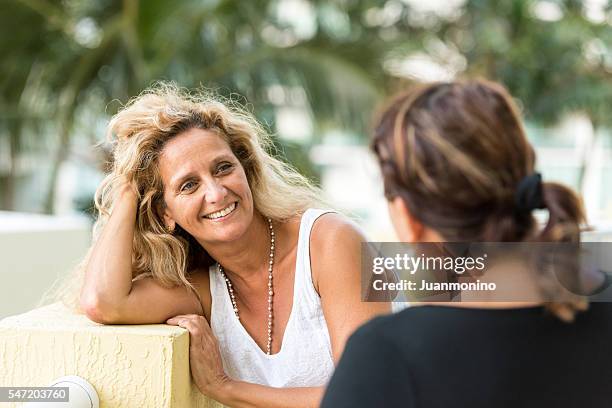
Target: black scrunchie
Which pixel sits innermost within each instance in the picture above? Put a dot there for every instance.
(528, 195)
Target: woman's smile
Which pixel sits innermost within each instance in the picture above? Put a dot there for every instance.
(223, 214)
(208, 193)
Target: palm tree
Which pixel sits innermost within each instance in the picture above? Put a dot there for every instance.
(119, 47)
(326, 57)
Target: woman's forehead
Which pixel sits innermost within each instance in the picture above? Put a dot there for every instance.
(192, 149)
(194, 142)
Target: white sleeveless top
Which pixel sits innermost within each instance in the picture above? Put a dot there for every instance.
(305, 358)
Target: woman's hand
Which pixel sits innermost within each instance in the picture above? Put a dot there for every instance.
(210, 378)
(204, 356)
(126, 190)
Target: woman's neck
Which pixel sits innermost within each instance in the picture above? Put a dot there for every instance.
(516, 287)
(246, 258)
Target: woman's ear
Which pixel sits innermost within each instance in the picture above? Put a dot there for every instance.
(169, 222)
(407, 228)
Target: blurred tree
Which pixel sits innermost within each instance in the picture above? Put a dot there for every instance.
(21, 71)
(116, 48)
(330, 60)
(551, 56)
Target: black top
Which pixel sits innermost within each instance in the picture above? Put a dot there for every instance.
(436, 356)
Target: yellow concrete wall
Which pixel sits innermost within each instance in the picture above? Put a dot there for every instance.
(130, 366)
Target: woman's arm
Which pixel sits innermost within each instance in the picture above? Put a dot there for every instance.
(240, 394)
(210, 378)
(336, 271)
(336, 274)
(108, 294)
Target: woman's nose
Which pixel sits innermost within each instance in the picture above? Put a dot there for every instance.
(215, 193)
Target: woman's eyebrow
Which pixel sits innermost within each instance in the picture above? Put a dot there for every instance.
(178, 180)
(223, 157)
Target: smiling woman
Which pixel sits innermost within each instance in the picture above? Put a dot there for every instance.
(201, 227)
(200, 163)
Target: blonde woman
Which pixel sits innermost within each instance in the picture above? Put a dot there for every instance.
(200, 227)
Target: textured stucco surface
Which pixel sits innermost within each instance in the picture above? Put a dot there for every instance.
(130, 366)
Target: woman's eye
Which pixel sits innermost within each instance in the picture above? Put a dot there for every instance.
(224, 167)
(188, 186)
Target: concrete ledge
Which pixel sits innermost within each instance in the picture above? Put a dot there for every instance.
(130, 366)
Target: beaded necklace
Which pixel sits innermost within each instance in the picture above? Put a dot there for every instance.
(230, 288)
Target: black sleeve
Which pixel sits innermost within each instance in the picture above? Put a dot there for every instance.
(371, 373)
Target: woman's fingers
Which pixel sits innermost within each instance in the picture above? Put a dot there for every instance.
(195, 325)
(204, 356)
(199, 330)
(174, 320)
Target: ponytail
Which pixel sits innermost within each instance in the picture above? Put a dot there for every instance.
(565, 217)
(566, 214)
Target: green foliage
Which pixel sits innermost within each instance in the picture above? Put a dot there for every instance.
(549, 66)
(65, 51)
(329, 57)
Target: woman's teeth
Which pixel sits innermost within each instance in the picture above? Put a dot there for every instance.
(221, 213)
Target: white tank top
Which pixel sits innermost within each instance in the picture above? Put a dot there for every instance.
(305, 358)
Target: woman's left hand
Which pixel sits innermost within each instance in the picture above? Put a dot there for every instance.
(204, 356)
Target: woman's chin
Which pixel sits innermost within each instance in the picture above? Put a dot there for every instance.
(225, 229)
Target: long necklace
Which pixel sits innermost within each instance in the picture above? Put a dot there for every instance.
(230, 288)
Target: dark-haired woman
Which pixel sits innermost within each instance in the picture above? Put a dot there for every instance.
(457, 167)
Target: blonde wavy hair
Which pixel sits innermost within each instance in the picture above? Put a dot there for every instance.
(138, 134)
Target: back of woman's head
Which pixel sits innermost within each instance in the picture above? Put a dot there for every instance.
(457, 154)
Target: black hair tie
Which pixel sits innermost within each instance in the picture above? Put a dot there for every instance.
(528, 195)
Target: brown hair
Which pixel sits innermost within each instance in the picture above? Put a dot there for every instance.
(455, 153)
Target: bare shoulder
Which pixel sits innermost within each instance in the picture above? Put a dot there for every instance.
(335, 244)
(337, 228)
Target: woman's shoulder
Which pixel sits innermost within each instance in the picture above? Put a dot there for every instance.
(327, 224)
(399, 328)
(335, 245)
(334, 236)
(334, 228)
(433, 322)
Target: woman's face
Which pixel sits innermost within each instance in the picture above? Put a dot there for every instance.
(206, 190)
